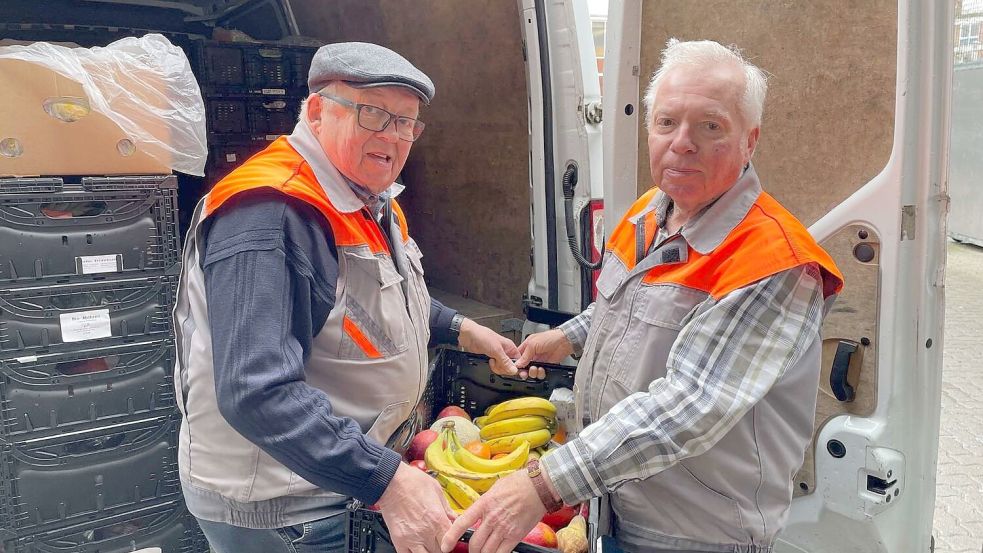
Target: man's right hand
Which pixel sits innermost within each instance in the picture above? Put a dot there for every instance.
(415, 510)
(551, 346)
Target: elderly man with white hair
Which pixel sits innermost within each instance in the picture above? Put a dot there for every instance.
(696, 388)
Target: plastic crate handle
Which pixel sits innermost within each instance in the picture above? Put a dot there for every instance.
(522, 547)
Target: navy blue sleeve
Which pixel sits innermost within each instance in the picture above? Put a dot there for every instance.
(270, 276)
(440, 324)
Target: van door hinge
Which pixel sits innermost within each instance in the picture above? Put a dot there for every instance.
(908, 222)
(593, 113)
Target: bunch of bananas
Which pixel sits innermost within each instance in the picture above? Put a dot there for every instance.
(525, 420)
(457, 468)
(511, 428)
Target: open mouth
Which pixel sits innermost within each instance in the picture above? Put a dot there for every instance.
(381, 158)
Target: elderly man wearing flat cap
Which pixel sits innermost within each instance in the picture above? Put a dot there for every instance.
(303, 322)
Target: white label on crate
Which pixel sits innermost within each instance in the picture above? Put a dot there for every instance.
(149, 550)
(85, 325)
(230, 158)
(26, 359)
(92, 264)
(276, 91)
(272, 137)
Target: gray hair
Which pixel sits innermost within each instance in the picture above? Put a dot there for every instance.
(707, 53)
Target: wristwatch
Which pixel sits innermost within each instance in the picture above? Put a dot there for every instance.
(542, 488)
(455, 329)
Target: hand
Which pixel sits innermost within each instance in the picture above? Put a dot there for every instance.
(551, 346)
(508, 511)
(499, 349)
(415, 510)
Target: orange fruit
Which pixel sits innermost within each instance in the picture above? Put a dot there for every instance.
(561, 435)
(479, 448)
(499, 455)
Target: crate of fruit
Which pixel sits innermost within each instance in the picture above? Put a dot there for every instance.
(470, 428)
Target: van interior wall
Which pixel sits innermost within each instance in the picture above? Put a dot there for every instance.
(829, 117)
(467, 195)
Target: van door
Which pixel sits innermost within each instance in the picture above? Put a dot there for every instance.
(564, 157)
(868, 481)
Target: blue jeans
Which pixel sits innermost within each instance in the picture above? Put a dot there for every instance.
(326, 535)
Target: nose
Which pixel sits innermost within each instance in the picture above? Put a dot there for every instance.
(389, 133)
(682, 141)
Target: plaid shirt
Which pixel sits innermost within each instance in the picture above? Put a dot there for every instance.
(772, 322)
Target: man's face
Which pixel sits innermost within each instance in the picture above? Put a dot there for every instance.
(698, 140)
(370, 159)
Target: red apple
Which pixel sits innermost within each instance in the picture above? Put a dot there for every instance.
(585, 509)
(419, 444)
(460, 547)
(420, 464)
(453, 411)
(542, 535)
(560, 517)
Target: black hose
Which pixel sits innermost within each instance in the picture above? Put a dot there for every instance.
(569, 184)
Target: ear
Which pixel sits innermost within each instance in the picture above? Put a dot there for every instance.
(314, 106)
(752, 142)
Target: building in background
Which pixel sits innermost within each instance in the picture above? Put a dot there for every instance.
(968, 32)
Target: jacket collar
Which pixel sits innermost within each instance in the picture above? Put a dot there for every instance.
(338, 189)
(705, 231)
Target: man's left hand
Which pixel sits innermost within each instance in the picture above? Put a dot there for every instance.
(508, 511)
(500, 350)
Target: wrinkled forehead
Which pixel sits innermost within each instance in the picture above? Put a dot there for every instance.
(720, 84)
(396, 99)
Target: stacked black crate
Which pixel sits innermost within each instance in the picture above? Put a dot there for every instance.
(88, 421)
(252, 94)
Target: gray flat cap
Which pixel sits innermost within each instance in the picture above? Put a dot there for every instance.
(362, 65)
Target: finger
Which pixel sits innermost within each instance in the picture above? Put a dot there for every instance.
(537, 372)
(458, 527)
(509, 347)
(479, 539)
(523, 374)
(525, 355)
(505, 546)
(506, 364)
(492, 544)
(498, 367)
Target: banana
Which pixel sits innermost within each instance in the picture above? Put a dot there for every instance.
(479, 421)
(463, 494)
(455, 506)
(440, 459)
(521, 407)
(510, 443)
(514, 461)
(516, 425)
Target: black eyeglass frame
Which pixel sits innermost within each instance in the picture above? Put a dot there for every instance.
(417, 127)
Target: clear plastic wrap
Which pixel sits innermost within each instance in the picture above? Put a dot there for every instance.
(144, 85)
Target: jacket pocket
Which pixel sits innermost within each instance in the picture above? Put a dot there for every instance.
(375, 321)
(711, 507)
(657, 315)
(388, 421)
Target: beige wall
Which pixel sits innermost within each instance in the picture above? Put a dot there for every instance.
(467, 197)
(829, 117)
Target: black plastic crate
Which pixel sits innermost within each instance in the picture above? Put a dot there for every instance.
(252, 67)
(465, 380)
(167, 526)
(300, 59)
(44, 395)
(53, 231)
(35, 318)
(76, 478)
(254, 117)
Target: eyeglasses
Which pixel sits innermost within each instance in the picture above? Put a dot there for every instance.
(376, 119)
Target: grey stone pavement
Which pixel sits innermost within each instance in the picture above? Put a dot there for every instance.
(959, 489)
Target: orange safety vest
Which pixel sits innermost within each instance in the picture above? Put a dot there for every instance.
(724, 271)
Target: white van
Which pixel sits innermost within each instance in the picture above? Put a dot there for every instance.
(524, 159)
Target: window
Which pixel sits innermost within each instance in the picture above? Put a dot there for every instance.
(969, 32)
(597, 28)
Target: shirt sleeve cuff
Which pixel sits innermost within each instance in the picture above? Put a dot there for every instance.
(379, 479)
(440, 324)
(573, 473)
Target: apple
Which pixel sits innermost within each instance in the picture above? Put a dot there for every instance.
(541, 535)
(419, 444)
(453, 411)
(560, 517)
(420, 464)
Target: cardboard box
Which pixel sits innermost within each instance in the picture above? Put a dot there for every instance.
(90, 145)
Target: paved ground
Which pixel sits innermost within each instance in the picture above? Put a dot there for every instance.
(959, 502)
